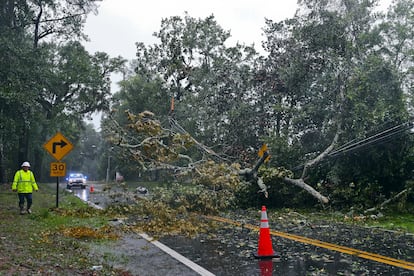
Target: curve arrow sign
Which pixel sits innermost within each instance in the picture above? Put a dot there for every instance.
(58, 146)
(61, 144)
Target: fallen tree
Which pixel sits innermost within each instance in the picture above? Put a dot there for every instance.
(155, 147)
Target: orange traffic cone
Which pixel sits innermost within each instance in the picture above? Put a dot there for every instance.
(91, 189)
(265, 250)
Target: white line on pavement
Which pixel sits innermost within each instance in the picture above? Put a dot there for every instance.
(200, 270)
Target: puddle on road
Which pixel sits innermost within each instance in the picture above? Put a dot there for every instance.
(81, 193)
(213, 255)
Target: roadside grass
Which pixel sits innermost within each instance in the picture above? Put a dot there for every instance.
(50, 241)
(396, 221)
(391, 220)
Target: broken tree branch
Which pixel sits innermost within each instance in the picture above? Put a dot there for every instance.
(388, 201)
(300, 183)
(251, 174)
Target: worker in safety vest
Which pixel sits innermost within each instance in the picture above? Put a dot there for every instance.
(24, 183)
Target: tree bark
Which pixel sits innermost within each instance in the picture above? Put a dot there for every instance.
(300, 183)
(321, 156)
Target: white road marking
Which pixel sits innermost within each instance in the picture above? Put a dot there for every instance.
(200, 270)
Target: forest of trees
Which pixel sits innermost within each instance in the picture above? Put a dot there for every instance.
(332, 97)
(48, 81)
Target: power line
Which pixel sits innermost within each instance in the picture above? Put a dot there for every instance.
(374, 139)
(378, 138)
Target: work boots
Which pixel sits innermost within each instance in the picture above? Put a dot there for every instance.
(21, 210)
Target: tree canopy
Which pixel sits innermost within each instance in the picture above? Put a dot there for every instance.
(48, 81)
(330, 97)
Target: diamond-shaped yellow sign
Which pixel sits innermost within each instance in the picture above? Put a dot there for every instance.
(58, 146)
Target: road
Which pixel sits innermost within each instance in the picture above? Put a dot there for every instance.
(229, 250)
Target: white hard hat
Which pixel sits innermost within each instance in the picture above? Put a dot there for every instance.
(26, 164)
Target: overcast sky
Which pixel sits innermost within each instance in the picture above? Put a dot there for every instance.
(119, 24)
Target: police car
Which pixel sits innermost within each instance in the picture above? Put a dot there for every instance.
(76, 180)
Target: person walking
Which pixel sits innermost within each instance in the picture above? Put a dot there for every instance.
(24, 183)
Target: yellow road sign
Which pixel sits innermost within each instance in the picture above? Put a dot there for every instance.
(57, 169)
(261, 152)
(58, 146)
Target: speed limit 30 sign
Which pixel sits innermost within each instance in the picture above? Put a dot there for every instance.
(57, 169)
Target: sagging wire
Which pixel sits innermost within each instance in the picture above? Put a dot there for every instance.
(376, 139)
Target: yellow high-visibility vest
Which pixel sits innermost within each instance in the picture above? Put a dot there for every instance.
(24, 182)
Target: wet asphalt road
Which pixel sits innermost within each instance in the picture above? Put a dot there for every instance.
(230, 253)
(141, 257)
